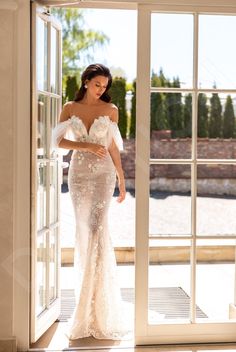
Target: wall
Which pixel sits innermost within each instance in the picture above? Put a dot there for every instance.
(212, 179)
(14, 172)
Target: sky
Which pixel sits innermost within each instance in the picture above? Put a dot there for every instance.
(172, 45)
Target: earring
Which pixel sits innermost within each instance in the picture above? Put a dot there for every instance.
(85, 86)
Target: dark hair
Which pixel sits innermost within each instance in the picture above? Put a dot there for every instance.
(90, 72)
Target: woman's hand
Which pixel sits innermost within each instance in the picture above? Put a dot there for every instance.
(97, 149)
(122, 191)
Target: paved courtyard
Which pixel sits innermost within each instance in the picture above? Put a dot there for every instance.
(169, 214)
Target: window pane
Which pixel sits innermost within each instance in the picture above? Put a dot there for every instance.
(41, 273)
(215, 275)
(54, 60)
(170, 200)
(169, 281)
(42, 54)
(41, 196)
(171, 125)
(172, 49)
(54, 167)
(217, 52)
(216, 126)
(42, 126)
(53, 265)
(216, 200)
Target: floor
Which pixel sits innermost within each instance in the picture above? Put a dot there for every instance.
(230, 347)
(169, 276)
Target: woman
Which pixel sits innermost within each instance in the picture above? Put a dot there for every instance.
(91, 121)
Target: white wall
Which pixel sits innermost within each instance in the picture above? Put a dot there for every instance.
(14, 172)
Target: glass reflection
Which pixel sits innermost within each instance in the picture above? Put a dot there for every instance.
(42, 54)
(53, 266)
(41, 273)
(41, 128)
(54, 60)
(54, 192)
(41, 196)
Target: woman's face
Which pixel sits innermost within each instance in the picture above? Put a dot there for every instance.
(97, 86)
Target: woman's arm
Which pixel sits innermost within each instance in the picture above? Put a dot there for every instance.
(115, 155)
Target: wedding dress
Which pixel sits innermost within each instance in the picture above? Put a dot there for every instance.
(99, 309)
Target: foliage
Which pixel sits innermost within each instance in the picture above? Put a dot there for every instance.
(78, 42)
(229, 119)
(118, 94)
(203, 111)
(133, 112)
(158, 109)
(174, 109)
(187, 115)
(215, 122)
(71, 88)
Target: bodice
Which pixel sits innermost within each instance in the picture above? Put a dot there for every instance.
(98, 132)
(102, 131)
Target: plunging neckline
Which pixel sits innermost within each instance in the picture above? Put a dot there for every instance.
(96, 119)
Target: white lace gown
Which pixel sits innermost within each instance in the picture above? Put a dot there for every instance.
(99, 311)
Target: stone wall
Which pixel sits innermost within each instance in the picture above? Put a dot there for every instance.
(212, 178)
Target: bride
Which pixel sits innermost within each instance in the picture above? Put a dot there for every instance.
(88, 126)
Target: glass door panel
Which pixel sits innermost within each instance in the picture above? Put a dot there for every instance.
(185, 200)
(46, 67)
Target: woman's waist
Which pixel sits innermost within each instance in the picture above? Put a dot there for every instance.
(85, 158)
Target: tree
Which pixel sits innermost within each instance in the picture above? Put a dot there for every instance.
(158, 111)
(187, 115)
(174, 108)
(229, 119)
(118, 94)
(202, 116)
(215, 123)
(71, 88)
(78, 43)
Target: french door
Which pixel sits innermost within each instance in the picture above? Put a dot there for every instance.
(183, 284)
(198, 293)
(46, 172)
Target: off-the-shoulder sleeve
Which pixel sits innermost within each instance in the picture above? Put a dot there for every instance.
(61, 130)
(114, 133)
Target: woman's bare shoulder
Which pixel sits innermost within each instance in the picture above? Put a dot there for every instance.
(66, 111)
(113, 112)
